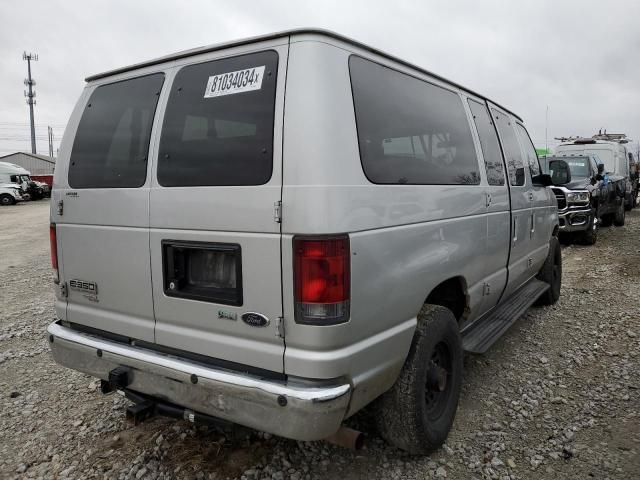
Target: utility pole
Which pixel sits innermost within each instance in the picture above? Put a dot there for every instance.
(50, 136)
(30, 82)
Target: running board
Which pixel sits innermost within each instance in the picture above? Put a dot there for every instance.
(483, 333)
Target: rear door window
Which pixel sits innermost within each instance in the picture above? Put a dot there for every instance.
(218, 125)
(511, 147)
(111, 145)
(488, 142)
(410, 131)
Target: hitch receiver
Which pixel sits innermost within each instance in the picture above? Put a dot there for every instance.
(119, 379)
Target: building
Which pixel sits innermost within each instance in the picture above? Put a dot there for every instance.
(36, 164)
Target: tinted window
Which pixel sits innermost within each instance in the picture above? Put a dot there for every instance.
(220, 137)
(489, 143)
(529, 150)
(410, 131)
(511, 147)
(112, 142)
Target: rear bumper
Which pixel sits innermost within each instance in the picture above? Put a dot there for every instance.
(299, 409)
(575, 220)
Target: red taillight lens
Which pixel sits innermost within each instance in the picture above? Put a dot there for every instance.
(54, 249)
(322, 280)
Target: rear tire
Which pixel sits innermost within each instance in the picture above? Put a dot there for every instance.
(551, 273)
(619, 219)
(416, 414)
(6, 199)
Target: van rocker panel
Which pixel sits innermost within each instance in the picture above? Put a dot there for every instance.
(302, 410)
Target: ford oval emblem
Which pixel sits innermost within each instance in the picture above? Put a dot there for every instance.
(254, 319)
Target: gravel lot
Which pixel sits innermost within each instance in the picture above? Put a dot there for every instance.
(557, 397)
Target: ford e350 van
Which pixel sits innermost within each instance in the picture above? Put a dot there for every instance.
(279, 231)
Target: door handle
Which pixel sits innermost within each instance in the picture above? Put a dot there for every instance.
(531, 196)
(488, 199)
(515, 230)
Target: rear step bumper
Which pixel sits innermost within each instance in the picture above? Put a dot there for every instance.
(302, 409)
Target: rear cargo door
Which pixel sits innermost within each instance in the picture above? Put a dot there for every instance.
(102, 207)
(215, 238)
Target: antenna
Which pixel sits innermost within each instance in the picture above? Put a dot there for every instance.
(30, 82)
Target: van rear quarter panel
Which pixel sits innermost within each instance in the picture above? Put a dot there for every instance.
(405, 239)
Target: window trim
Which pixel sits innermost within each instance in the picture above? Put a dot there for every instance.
(493, 107)
(532, 145)
(485, 105)
(150, 152)
(412, 75)
(273, 132)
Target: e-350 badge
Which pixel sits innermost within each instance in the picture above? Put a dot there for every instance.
(89, 289)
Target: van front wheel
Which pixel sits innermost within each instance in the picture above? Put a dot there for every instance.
(416, 414)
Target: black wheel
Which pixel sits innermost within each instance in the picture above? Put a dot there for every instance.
(619, 219)
(551, 273)
(590, 235)
(416, 414)
(6, 199)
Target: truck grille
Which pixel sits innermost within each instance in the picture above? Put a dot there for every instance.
(562, 200)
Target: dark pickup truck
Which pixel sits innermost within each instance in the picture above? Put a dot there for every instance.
(587, 196)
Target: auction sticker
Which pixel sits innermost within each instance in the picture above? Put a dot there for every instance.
(235, 82)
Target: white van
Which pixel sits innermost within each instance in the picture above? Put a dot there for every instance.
(615, 157)
(279, 231)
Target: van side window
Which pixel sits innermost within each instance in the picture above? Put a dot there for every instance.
(529, 150)
(488, 142)
(218, 125)
(511, 147)
(111, 145)
(410, 131)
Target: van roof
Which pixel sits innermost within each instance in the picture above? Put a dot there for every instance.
(286, 33)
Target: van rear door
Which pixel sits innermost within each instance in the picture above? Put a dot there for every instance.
(215, 244)
(101, 207)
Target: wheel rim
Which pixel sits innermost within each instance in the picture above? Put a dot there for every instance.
(438, 384)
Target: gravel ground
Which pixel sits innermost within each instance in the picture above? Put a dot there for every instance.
(557, 397)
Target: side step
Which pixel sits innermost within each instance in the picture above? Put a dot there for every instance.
(484, 332)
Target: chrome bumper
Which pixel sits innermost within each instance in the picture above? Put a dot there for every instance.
(575, 220)
(302, 410)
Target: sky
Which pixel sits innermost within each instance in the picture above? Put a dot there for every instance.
(566, 67)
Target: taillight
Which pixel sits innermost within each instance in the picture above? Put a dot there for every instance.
(54, 251)
(322, 279)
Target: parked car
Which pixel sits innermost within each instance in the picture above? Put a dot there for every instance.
(9, 194)
(586, 196)
(15, 175)
(613, 154)
(281, 264)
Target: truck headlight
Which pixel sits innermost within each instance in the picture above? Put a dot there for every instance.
(578, 197)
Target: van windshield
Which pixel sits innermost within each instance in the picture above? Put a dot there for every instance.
(579, 167)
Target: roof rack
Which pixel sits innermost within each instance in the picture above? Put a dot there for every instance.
(611, 137)
(568, 139)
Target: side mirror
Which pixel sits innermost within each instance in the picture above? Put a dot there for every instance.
(560, 172)
(601, 168)
(542, 180)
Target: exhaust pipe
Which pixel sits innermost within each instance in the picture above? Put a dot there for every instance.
(347, 437)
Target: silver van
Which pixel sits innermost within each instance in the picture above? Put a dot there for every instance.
(279, 231)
